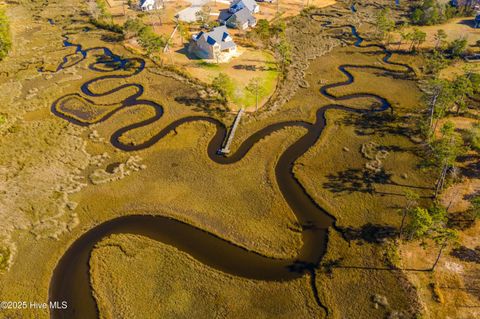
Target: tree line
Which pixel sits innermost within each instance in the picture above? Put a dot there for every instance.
(273, 36)
(430, 12)
(443, 97)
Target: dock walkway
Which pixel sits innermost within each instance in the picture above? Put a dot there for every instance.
(226, 148)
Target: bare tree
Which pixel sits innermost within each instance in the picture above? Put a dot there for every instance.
(255, 88)
(443, 238)
(411, 201)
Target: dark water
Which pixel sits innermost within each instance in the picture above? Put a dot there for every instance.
(71, 281)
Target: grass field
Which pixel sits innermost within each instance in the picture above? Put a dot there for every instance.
(340, 185)
(155, 284)
(250, 64)
(182, 182)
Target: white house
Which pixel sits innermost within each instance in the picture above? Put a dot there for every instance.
(216, 44)
(148, 5)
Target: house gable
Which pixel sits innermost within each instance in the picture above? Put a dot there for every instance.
(241, 19)
(238, 5)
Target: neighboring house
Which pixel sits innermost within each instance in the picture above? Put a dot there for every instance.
(148, 5)
(238, 5)
(216, 44)
(240, 20)
(472, 4)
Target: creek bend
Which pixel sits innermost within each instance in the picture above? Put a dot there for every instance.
(71, 280)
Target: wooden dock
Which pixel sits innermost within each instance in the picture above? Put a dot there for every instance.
(226, 147)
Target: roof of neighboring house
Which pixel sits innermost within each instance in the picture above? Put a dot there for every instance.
(145, 2)
(217, 35)
(249, 4)
(224, 15)
(243, 16)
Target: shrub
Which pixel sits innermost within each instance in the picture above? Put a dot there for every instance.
(151, 41)
(5, 256)
(475, 79)
(109, 26)
(133, 26)
(266, 31)
(147, 38)
(224, 85)
(457, 47)
(5, 41)
(473, 138)
(102, 6)
(391, 254)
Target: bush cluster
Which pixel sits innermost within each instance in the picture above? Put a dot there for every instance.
(430, 12)
(147, 38)
(5, 40)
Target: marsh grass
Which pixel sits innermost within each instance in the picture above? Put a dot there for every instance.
(44, 154)
(5, 258)
(188, 289)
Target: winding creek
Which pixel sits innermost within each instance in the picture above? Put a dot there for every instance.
(71, 280)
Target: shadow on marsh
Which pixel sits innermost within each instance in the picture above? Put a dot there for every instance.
(209, 106)
(471, 165)
(362, 180)
(329, 265)
(466, 254)
(461, 220)
(253, 67)
(355, 180)
(112, 38)
(381, 123)
(370, 233)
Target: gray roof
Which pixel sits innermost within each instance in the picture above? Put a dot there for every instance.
(250, 4)
(217, 35)
(224, 15)
(243, 16)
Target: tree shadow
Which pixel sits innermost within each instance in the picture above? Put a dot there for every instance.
(381, 123)
(300, 266)
(370, 233)
(209, 106)
(471, 167)
(363, 180)
(329, 265)
(112, 38)
(356, 180)
(253, 67)
(461, 220)
(466, 254)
